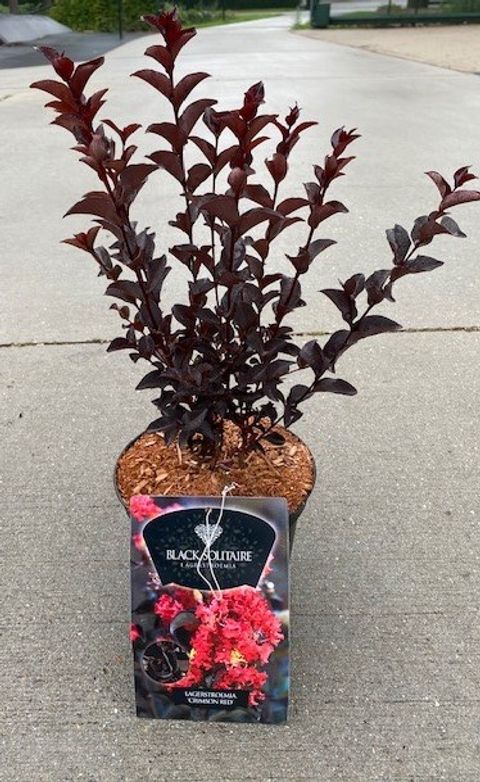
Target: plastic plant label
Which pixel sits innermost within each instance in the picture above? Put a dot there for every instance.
(209, 580)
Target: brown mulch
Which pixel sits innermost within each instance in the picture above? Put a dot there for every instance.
(151, 467)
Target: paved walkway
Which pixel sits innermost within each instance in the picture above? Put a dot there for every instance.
(455, 46)
(386, 579)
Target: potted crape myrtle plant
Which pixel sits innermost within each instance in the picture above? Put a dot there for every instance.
(228, 375)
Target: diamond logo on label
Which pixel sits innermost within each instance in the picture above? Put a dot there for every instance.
(208, 533)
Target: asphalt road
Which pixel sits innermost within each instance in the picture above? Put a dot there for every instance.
(386, 578)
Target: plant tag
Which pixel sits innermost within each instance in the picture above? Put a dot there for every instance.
(209, 578)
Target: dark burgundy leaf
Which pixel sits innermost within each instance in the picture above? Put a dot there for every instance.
(277, 226)
(395, 274)
(123, 311)
(291, 415)
(224, 157)
(302, 127)
(55, 88)
(186, 36)
(399, 241)
(452, 227)
(223, 207)
(156, 273)
(62, 65)
(157, 80)
(425, 228)
(126, 290)
(374, 324)
(335, 344)
(95, 203)
(84, 241)
(133, 178)
(374, 285)
(324, 211)
(460, 197)
(257, 125)
(354, 285)
(255, 143)
(259, 194)
(93, 105)
(170, 162)
(184, 314)
(462, 176)
(82, 74)
(253, 217)
(185, 86)
(314, 193)
(342, 138)
(237, 179)
(343, 302)
(312, 355)
(334, 385)
(119, 343)
(206, 147)
(290, 296)
(318, 246)
(234, 122)
(442, 185)
(129, 130)
(297, 394)
(196, 175)
(192, 114)
(291, 205)
(301, 261)
(170, 132)
(161, 55)
(422, 263)
(277, 166)
(151, 380)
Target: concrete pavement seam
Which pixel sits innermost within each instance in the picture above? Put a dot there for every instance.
(102, 341)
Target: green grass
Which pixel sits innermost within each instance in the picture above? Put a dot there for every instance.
(231, 17)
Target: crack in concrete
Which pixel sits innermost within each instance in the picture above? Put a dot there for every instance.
(56, 342)
(418, 330)
(102, 341)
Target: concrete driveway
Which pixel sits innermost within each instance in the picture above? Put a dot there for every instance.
(386, 566)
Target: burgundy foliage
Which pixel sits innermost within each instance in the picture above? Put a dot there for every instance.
(226, 352)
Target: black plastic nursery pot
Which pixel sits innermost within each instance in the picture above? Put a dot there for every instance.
(294, 515)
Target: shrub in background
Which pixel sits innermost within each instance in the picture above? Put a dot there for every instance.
(462, 6)
(29, 7)
(101, 15)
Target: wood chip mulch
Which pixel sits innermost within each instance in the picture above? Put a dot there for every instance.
(148, 466)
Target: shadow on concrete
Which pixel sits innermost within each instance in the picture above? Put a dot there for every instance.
(78, 46)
